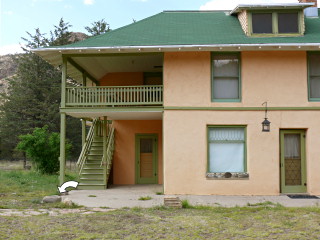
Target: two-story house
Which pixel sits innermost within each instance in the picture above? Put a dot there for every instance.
(179, 99)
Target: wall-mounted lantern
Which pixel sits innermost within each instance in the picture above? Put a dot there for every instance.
(266, 122)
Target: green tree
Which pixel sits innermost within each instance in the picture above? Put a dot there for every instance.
(43, 149)
(61, 34)
(33, 96)
(98, 28)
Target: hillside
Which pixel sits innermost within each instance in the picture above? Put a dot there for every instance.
(7, 69)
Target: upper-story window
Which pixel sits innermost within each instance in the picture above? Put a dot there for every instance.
(226, 77)
(314, 76)
(279, 23)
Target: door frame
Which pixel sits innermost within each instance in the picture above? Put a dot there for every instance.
(298, 188)
(154, 179)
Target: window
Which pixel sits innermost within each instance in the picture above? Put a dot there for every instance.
(288, 23)
(225, 77)
(226, 149)
(275, 23)
(314, 76)
(262, 23)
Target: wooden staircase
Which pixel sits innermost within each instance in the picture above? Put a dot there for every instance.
(95, 160)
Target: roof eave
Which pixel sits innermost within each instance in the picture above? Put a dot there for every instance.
(241, 7)
(161, 48)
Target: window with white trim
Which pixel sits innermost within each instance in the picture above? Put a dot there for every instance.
(226, 149)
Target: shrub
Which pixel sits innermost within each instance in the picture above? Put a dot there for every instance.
(43, 149)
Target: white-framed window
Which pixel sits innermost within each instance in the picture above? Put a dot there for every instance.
(226, 149)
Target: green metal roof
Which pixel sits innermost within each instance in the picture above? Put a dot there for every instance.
(191, 28)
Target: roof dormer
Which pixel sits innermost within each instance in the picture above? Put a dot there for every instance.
(269, 20)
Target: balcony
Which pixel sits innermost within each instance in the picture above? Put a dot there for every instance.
(115, 96)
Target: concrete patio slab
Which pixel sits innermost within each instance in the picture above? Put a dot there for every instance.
(128, 196)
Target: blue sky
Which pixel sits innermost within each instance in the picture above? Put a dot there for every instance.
(19, 16)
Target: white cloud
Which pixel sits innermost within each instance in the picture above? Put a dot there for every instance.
(10, 49)
(231, 4)
(88, 2)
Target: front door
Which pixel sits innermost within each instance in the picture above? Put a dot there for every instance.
(293, 161)
(146, 159)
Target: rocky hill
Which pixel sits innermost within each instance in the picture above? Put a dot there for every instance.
(7, 70)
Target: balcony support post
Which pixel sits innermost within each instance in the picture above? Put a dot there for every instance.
(62, 157)
(62, 148)
(84, 80)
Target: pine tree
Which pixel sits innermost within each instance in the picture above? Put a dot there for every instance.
(33, 97)
(98, 28)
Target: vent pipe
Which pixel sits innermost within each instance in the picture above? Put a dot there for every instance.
(310, 11)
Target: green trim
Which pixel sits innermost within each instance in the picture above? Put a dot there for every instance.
(298, 188)
(228, 126)
(62, 157)
(64, 81)
(154, 178)
(238, 54)
(80, 69)
(242, 108)
(111, 54)
(275, 23)
(309, 75)
(110, 109)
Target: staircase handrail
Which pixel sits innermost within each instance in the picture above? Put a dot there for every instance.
(86, 146)
(106, 158)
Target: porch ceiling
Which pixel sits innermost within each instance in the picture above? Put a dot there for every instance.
(116, 115)
(98, 66)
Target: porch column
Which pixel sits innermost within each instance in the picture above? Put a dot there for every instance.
(62, 147)
(83, 127)
(63, 123)
(84, 79)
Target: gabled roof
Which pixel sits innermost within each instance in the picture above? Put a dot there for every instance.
(189, 28)
(184, 31)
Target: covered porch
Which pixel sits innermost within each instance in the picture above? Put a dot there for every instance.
(122, 96)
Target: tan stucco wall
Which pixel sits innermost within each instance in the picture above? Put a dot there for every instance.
(124, 155)
(185, 151)
(122, 79)
(277, 77)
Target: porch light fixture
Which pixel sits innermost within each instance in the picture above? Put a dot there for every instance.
(266, 122)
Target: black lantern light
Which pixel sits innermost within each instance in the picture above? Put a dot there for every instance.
(266, 122)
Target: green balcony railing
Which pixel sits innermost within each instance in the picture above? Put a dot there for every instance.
(114, 96)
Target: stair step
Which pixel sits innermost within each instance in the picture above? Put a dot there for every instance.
(91, 175)
(91, 181)
(91, 186)
(93, 163)
(93, 171)
(94, 157)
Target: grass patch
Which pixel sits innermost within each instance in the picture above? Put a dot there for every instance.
(159, 193)
(139, 223)
(186, 204)
(145, 198)
(21, 189)
(92, 196)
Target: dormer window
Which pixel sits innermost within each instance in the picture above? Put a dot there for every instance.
(262, 23)
(272, 20)
(275, 23)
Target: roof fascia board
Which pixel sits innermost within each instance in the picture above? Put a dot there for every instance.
(242, 7)
(163, 48)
